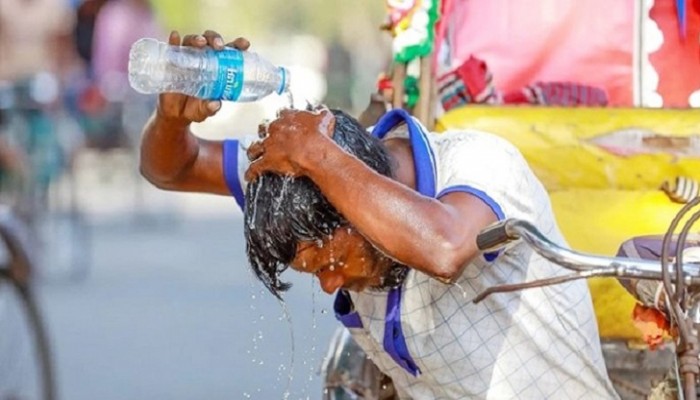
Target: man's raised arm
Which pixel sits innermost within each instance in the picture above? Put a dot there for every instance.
(172, 158)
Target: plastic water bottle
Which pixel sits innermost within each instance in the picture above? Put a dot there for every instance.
(229, 74)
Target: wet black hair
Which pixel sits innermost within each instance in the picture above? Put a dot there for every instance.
(282, 211)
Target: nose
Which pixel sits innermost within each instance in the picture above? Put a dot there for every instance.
(331, 281)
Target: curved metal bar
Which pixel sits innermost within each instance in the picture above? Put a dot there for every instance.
(680, 244)
(608, 266)
(665, 268)
(538, 283)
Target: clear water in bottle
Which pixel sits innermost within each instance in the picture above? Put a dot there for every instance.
(229, 74)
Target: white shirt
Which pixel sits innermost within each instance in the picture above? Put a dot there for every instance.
(429, 337)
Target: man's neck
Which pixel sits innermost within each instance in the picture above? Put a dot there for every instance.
(402, 155)
(392, 276)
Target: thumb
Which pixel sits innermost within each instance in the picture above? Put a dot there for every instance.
(213, 107)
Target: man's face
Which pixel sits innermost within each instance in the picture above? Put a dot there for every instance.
(344, 260)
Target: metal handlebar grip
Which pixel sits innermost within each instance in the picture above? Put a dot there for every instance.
(494, 236)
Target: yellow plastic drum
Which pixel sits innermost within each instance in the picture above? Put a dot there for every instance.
(603, 169)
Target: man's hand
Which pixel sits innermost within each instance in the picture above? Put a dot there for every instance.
(186, 109)
(287, 142)
(172, 158)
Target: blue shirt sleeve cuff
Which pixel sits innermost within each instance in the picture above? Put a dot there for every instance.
(495, 207)
(230, 163)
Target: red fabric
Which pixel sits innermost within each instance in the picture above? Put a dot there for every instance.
(441, 26)
(471, 83)
(474, 74)
(559, 94)
(678, 60)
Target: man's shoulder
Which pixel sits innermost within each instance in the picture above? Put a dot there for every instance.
(472, 137)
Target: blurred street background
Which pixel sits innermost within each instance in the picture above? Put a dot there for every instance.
(148, 294)
(168, 309)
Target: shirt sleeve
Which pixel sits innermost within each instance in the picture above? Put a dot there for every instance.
(491, 169)
(235, 163)
(494, 171)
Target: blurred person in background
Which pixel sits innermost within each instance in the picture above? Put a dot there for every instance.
(109, 28)
(36, 54)
(84, 32)
(404, 270)
(35, 37)
(118, 25)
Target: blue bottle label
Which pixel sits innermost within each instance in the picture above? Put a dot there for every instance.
(229, 82)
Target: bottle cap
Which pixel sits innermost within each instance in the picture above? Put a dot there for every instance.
(284, 84)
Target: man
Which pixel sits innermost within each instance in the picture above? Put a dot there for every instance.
(389, 221)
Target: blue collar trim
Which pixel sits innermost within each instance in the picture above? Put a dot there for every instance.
(344, 311)
(394, 339)
(423, 157)
(426, 177)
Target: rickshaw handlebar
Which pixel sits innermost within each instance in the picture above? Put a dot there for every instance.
(500, 234)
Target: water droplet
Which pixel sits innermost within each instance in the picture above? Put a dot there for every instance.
(464, 292)
(324, 311)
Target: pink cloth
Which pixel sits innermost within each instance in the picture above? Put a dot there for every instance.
(523, 41)
(119, 24)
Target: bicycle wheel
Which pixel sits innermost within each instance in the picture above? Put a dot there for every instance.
(25, 362)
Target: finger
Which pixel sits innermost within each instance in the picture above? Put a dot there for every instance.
(194, 41)
(262, 131)
(255, 151)
(255, 169)
(174, 38)
(285, 113)
(214, 40)
(240, 44)
(213, 107)
(195, 110)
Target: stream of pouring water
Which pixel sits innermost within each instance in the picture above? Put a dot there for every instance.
(289, 103)
(290, 373)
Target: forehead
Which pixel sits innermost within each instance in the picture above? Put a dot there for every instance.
(339, 242)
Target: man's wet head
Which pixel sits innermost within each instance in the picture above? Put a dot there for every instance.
(288, 220)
